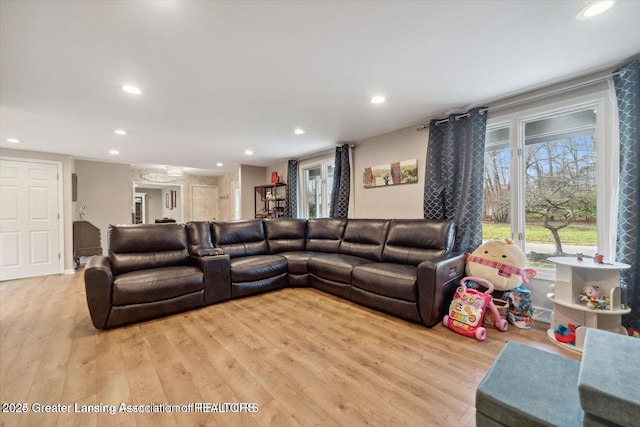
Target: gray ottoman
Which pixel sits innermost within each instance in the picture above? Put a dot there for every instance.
(609, 380)
(529, 387)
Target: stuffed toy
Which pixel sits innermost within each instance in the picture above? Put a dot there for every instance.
(503, 264)
(566, 334)
(593, 297)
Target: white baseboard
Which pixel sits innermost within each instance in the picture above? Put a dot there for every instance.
(70, 271)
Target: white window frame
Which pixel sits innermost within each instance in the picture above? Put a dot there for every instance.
(607, 151)
(303, 193)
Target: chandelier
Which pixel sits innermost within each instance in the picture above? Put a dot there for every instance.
(174, 171)
(171, 174)
(157, 177)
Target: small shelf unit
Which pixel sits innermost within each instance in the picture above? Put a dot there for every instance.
(572, 276)
(269, 200)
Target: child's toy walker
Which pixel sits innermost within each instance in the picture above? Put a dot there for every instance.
(468, 307)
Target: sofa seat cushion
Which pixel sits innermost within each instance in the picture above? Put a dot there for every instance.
(298, 260)
(387, 279)
(156, 284)
(257, 267)
(335, 267)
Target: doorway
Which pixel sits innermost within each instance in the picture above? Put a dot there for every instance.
(140, 208)
(161, 203)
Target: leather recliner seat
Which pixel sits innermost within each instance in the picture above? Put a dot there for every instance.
(361, 243)
(252, 267)
(286, 237)
(148, 272)
(391, 285)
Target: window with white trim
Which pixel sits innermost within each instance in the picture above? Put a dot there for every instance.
(316, 185)
(546, 180)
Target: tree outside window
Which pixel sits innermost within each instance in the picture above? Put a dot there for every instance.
(557, 160)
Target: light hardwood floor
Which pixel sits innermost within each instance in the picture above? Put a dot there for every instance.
(303, 356)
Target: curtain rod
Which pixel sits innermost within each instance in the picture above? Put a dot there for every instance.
(532, 97)
(458, 117)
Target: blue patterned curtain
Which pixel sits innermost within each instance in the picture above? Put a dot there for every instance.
(453, 176)
(291, 195)
(341, 183)
(627, 86)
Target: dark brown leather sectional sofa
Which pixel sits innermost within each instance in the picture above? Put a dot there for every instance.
(403, 267)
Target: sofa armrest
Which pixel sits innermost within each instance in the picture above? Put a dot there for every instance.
(207, 252)
(217, 277)
(437, 282)
(98, 283)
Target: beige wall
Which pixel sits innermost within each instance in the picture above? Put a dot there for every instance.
(105, 190)
(110, 201)
(67, 203)
(281, 168)
(398, 201)
(250, 177)
(182, 213)
(225, 195)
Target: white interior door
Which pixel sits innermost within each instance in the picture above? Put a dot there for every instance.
(29, 219)
(204, 202)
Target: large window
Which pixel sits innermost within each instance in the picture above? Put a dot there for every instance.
(316, 184)
(543, 183)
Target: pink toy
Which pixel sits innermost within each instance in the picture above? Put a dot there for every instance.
(468, 307)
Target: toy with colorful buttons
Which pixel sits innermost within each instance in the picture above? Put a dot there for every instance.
(468, 308)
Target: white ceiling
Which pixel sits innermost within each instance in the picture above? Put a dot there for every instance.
(222, 77)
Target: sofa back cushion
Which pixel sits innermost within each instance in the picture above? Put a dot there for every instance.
(411, 241)
(285, 234)
(199, 238)
(325, 234)
(240, 238)
(365, 238)
(142, 246)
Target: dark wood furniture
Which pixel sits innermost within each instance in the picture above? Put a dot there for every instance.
(86, 240)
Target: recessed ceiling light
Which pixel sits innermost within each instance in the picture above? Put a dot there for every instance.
(594, 8)
(219, 164)
(114, 152)
(13, 140)
(248, 152)
(298, 131)
(132, 89)
(378, 99)
(120, 132)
